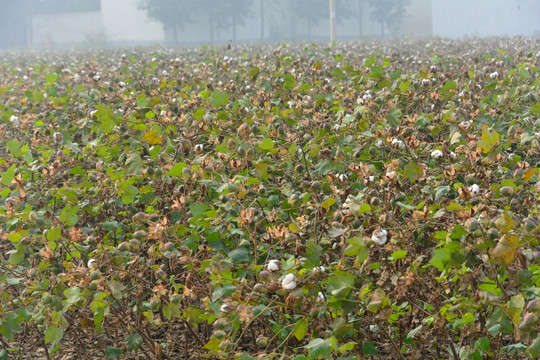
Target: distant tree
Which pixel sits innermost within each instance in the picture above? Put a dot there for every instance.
(231, 13)
(312, 11)
(360, 16)
(388, 12)
(174, 15)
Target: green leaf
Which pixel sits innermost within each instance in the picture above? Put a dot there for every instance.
(368, 348)
(328, 203)
(267, 144)
(10, 325)
(69, 215)
(219, 98)
(412, 171)
(288, 82)
(319, 348)
(53, 334)
(340, 284)
(405, 86)
(8, 175)
(133, 165)
(54, 234)
(198, 209)
(176, 170)
(448, 85)
(300, 329)
(535, 109)
(394, 117)
(112, 352)
(399, 254)
(14, 148)
(239, 255)
(489, 139)
(534, 349)
(253, 73)
(134, 341)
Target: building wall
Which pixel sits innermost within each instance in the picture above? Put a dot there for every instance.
(458, 18)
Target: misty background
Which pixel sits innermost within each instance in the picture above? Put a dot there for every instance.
(45, 24)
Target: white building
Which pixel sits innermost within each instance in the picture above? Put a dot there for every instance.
(118, 22)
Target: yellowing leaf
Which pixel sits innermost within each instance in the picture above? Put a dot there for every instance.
(152, 137)
(515, 307)
(376, 300)
(294, 228)
(505, 250)
(489, 139)
(328, 202)
(301, 329)
(504, 223)
(527, 175)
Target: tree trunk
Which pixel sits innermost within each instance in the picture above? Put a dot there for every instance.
(262, 20)
(211, 26)
(360, 15)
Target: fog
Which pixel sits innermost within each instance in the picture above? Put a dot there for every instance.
(44, 24)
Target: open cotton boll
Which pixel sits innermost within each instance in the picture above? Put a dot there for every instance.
(398, 143)
(14, 120)
(91, 263)
(273, 265)
(475, 189)
(380, 237)
(289, 282)
(436, 154)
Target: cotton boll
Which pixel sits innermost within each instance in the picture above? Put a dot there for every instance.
(379, 143)
(320, 297)
(289, 282)
(92, 263)
(14, 120)
(474, 189)
(380, 237)
(494, 75)
(398, 144)
(436, 154)
(274, 265)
